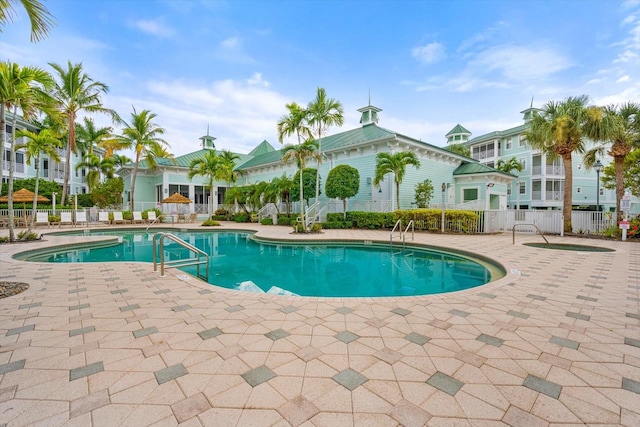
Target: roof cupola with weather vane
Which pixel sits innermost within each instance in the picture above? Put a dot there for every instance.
(207, 141)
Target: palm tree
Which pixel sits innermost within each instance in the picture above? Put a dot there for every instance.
(281, 187)
(508, 166)
(20, 88)
(559, 130)
(76, 92)
(143, 137)
(623, 124)
(295, 123)
(323, 112)
(45, 142)
(95, 166)
(461, 149)
(300, 154)
(208, 167)
(40, 18)
(397, 165)
(88, 136)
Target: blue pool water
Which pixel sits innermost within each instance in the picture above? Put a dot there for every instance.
(329, 270)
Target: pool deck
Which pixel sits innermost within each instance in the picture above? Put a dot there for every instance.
(556, 341)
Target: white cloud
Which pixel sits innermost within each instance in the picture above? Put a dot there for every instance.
(521, 63)
(429, 54)
(155, 27)
(257, 80)
(623, 79)
(231, 43)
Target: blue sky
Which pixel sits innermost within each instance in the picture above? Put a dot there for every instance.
(429, 65)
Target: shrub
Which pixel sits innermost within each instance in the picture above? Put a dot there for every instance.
(218, 217)
(127, 215)
(145, 213)
(284, 220)
(266, 221)
(210, 223)
(335, 217)
(316, 227)
(4, 239)
(54, 218)
(240, 218)
(372, 220)
(23, 235)
(336, 225)
(430, 219)
(221, 212)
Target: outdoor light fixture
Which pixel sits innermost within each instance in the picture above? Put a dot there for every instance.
(444, 188)
(490, 185)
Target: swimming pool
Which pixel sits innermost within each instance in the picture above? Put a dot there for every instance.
(237, 261)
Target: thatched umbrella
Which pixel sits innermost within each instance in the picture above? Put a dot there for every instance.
(177, 198)
(23, 195)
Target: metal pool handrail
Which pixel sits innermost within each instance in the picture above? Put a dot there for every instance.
(513, 232)
(399, 227)
(179, 263)
(407, 229)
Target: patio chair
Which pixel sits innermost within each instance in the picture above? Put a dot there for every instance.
(137, 218)
(151, 217)
(103, 218)
(65, 218)
(193, 217)
(81, 217)
(118, 219)
(42, 218)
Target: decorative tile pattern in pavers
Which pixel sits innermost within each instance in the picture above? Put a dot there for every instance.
(417, 338)
(277, 334)
(258, 375)
(401, 311)
(350, 379)
(344, 310)
(170, 373)
(289, 309)
(542, 386)
(459, 313)
(234, 308)
(491, 340)
(210, 333)
(145, 332)
(13, 366)
(180, 308)
(20, 330)
(445, 383)
(598, 380)
(85, 371)
(346, 336)
(565, 342)
(81, 331)
(129, 307)
(32, 305)
(75, 291)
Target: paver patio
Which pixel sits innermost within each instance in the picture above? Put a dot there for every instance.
(556, 341)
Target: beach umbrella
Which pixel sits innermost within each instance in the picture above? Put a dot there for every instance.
(177, 198)
(23, 195)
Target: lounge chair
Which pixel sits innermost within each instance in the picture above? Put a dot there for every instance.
(118, 219)
(151, 217)
(193, 217)
(42, 218)
(103, 218)
(137, 218)
(81, 217)
(65, 218)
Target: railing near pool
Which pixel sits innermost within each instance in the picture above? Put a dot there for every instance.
(179, 262)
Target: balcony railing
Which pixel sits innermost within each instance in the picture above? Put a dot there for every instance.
(551, 196)
(553, 170)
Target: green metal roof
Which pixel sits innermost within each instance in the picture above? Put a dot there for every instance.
(263, 148)
(498, 134)
(457, 130)
(476, 168)
(185, 160)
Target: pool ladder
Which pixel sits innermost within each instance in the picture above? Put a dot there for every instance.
(403, 234)
(198, 261)
(513, 232)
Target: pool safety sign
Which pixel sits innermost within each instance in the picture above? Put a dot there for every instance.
(624, 225)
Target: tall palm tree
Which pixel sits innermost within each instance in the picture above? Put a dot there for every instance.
(21, 88)
(509, 166)
(208, 167)
(76, 92)
(143, 137)
(295, 122)
(299, 154)
(323, 112)
(623, 126)
(397, 165)
(45, 142)
(281, 187)
(40, 18)
(559, 130)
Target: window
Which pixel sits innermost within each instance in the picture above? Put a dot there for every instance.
(508, 190)
(523, 187)
(523, 162)
(523, 141)
(507, 145)
(602, 191)
(470, 194)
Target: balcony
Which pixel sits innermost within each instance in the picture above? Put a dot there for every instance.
(548, 170)
(553, 196)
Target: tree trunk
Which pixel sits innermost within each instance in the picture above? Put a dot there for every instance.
(65, 181)
(12, 168)
(567, 203)
(35, 198)
(398, 195)
(619, 165)
(3, 128)
(134, 174)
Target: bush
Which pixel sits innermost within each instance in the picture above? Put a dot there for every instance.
(266, 221)
(127, 215)
(430, 219)
(54, 218)
(284, 220)
(221, 212)
(335, 217)
(336, 225)
(316, 227)
(145, 213)
(240, 218)
(218, 217)
(23, 235)
(372, 220)
(210, 223)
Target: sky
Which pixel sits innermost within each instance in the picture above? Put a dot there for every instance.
(232, 66)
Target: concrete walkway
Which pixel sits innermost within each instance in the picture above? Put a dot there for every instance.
(555, 342)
